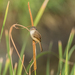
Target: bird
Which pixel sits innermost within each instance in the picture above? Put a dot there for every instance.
(36, 36)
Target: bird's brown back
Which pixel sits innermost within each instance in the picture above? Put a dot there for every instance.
(37, 35)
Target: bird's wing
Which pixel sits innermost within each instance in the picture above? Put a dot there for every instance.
(37, 35)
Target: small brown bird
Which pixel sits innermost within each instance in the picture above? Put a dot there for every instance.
(36, 36)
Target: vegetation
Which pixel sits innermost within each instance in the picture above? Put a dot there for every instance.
(64, 63)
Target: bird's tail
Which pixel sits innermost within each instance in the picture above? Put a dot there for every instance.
(40, 46)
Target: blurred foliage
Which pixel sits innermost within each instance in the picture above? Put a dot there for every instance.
(56, 5)
(20, 8)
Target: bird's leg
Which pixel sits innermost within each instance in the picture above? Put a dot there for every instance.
(35, 42)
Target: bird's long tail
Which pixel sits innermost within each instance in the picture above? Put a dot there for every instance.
(40, 46)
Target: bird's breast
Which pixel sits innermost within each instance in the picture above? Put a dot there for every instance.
(32, 32)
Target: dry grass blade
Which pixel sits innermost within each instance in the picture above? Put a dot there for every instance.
(1, 61)
(30, 14)
(10, 37)
(52, 72)
(30, 71)
(70, 63)
(23, 59)
(60, 73)
(15, 67)
(33, 42)
(31, 66)
(34, 55)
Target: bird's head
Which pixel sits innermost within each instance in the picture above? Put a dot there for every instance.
(33, 28)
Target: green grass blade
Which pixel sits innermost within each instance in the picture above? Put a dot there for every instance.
(35, 72)
(8, 52)
(21, 54)
(69, 42)
(73, 70)
(63, 70)
(48, 60)
(6, 66)
(67, 49)
(71, 51)
(48, 67)
(1, 61)
(69, 55)
(6, 12)
(20, 71)
(50, 45)
(28, 67)
(38, 56)
(68, 69)
(66, 63)
(36, 22)
(40, 13)
(21, 67)
(60, 56)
